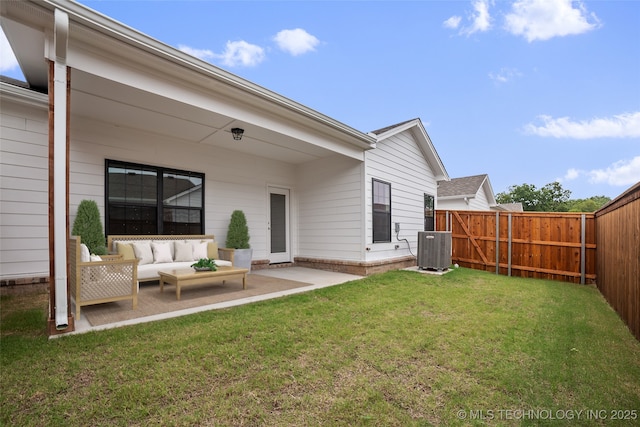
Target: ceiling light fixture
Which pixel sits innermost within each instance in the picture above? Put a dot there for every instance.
(237, 133)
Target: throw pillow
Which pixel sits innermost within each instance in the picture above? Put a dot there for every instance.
(143, 252)
(95, 258)
(161, 253)
(183, 250)
(85, 256)
(200, 250)
(212, 250)
(126, 250)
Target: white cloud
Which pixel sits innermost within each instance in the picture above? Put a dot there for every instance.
(242, 53)
(236, 53)
(544, 19)
(625, 125)
(452, 22)
(571, 175)
(203, 54)
(622, 173)
(296, 42)
(8, 60)
(480, 18)
(505, 75)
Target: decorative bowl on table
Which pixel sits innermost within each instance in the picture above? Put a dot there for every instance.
(205, 264)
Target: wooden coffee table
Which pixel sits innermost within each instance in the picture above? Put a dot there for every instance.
(186, 277)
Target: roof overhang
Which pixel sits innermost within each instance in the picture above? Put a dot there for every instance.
(124, 78)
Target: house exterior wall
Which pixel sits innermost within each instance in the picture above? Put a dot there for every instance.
(480, 202)
(399, 161)
(331, 209)
(477, 203)
(232, 180)
(24, 188)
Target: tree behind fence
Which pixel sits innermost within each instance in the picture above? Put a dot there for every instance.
(555, 246)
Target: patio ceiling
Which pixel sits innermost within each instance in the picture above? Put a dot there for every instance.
(116, 104)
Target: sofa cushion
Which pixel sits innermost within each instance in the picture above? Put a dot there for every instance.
(85, 256)
(183, 251)
(143, 252)
(126, 250)
(161, 252)
(200, 250)
(212, 250)
(151, 271)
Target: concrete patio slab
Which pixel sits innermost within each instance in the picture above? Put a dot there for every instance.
(274, 283)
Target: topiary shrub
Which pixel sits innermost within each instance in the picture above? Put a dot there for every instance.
(88, 226)
(238, 232)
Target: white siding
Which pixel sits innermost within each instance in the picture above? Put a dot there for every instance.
(477, 203)
(453, 205)
(24, 190)
(399, 161)
(480, 202)
(232, 180)
(330, 202)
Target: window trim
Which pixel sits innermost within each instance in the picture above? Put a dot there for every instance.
(433, 211)
(160, 173)
(387, 233)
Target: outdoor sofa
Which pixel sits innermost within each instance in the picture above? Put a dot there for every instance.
(157, 253)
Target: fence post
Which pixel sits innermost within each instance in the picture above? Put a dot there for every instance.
(583, 244)
(497, 242)
(509, 249)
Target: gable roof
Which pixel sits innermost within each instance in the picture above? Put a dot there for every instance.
(467, 186)
(388, 128)
(421, 136)
(459, 187)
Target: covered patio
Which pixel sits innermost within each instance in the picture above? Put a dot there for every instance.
(117, 96)
(154, 305)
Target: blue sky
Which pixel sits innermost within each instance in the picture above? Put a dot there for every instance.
(527, 91)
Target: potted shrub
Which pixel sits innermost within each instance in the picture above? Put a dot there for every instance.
(238, 239)
(88, 226)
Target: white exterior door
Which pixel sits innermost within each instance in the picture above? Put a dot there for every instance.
(279, 225)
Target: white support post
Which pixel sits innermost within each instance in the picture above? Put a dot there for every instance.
(60, 41)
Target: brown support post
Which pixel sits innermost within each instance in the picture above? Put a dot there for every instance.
(52, 267)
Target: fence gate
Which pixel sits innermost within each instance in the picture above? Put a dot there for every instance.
(555, 246)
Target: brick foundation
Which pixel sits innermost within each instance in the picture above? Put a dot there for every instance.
(360, 268)
(24, 281)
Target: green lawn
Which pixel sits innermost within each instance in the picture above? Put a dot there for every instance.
(400, 348)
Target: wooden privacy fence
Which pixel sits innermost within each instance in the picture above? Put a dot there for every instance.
(619, 256)
(555, 246)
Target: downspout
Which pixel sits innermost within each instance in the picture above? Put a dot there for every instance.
(60, 120)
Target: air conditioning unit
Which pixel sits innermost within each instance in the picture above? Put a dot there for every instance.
(434, 250)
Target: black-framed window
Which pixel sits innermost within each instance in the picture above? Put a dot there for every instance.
(381, 211)
(143, 199)
(429, 213)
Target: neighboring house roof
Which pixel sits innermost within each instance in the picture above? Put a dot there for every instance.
(466, 187)
(511, 207)
(416, 127)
